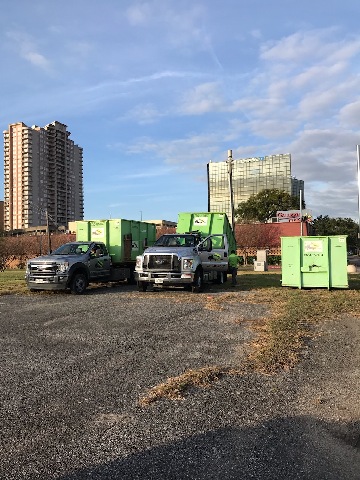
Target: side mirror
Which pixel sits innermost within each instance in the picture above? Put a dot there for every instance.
(205, 246)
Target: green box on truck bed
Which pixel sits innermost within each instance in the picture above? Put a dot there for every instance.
(115, 233)
(207, 223)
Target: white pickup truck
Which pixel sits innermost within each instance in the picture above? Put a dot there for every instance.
(186, 260)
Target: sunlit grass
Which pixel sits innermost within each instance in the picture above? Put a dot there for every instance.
(173, 388)
(294, 314)
(12, 281)
(280, 338)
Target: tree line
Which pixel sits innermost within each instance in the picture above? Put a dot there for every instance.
(259, 208)
(15, 250)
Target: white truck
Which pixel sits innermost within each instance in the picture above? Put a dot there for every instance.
(191, 258)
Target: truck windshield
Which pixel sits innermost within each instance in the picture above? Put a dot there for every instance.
(175, 241)
(72, 249)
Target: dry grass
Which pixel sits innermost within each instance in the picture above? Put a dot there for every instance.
(280, 338)
(175, 387)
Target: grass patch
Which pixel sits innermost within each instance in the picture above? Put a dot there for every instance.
(12, 281)
(280, 338)
(175, 387)
(254, 280)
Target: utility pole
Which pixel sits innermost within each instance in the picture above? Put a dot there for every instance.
(231, 193)
(358, 175)
(301, 221)
(48, 231)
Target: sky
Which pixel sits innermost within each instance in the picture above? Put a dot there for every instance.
(154, 90)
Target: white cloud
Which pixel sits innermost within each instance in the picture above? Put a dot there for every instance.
(28, 49)
(349, 115)
(140, 14)
(180, 28)
(203, 98)
(300, 46)
(143, 114)
(181, 153)
(168, 85)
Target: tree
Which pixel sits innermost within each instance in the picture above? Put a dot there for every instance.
(325, 225)
(15, 250)
(164, 230)
(264, 205)
(250, 238)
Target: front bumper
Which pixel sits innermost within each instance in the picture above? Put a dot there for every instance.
(165, 278)
(54, 282)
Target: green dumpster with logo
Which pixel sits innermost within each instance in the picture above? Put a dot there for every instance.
(314, 262)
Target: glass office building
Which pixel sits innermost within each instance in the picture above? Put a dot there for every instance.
(248, 177)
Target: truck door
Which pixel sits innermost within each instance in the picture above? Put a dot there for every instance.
(99, 262)
(217, 258)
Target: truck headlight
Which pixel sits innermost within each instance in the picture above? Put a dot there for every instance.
(188, 263)
(62, 267)
(138, 262)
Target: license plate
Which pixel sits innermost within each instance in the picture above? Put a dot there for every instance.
(39, 280)
(159, 280)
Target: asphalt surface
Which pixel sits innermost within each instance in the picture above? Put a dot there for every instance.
(73, 369)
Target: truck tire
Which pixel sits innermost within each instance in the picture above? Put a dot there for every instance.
(198, 284)
(131, 280)
(78, 284)
(142, 286)
(221, 277)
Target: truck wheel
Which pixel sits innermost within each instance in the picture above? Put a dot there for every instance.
(142, 286)
(131, 279)
(197, 286)
(78, 284)
(221, 277)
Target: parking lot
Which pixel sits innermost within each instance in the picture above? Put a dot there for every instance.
(75, 367)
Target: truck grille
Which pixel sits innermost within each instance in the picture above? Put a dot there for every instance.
(166, 263)
(42, 269)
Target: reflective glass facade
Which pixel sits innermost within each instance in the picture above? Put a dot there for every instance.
(249, 177)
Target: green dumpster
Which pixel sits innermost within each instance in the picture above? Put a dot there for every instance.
(311, 262)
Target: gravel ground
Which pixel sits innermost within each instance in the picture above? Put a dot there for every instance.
(73, 369)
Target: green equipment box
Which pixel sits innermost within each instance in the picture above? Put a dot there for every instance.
(118, 234)
(311, 262)
(207, 223)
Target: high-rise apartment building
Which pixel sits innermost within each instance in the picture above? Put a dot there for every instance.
(246, 177)
(43, 176)
(1, 216)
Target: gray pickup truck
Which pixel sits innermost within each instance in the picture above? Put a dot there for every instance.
(72, 266)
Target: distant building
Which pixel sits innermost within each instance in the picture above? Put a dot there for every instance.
(162, 223)
(43, 176)
(1, 215)
(247, 177)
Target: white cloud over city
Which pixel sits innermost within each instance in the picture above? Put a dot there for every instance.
(153, 90)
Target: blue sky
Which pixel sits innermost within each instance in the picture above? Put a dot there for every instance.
(153, 90)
